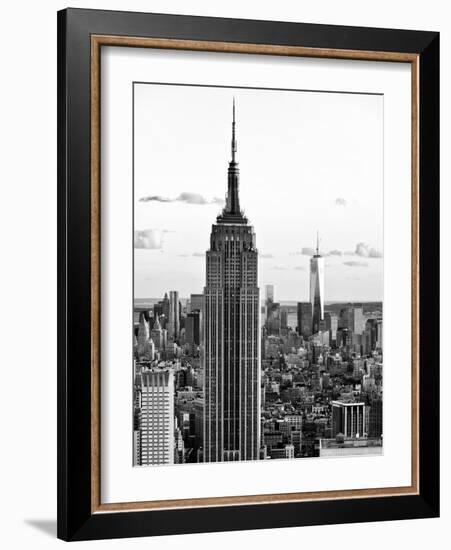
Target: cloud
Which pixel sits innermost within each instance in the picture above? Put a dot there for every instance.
(305, 251)
(299, 268)
(365, 251)
(340, 201)
(362, 250)
(354, 263)
(265, 256)
(198, 254)
(185, 197)
(191, 198)
(150, 239)
(155, 198)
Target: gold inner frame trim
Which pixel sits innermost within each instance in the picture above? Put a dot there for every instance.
(97, 41)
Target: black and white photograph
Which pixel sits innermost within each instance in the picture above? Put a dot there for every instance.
(225, 277)
(258, 274)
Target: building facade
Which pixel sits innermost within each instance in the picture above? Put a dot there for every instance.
(174, 315)
(157, 417)
(304, 313)
(196, 302)
(348, 419)
(231, 333)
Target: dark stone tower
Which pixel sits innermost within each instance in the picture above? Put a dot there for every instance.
(231, 342)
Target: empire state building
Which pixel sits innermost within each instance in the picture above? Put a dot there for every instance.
(231, 339)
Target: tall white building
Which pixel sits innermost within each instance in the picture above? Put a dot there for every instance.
(317, 289)
(157, 417)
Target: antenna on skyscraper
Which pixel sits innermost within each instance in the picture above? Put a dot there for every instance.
(233, 133)
(317, 242)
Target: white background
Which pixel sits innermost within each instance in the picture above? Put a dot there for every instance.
(120, 482)
(28, 284)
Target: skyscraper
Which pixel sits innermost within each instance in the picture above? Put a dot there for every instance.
(317, 288)
(192, 328)
(351, 317)
(272, 321)
(269, 293)
(157, 417)
(370, 336)
(331, 322)
(165, 307)
(375, 418)
(196, 302)
(143, 334)
(304, 313)
(231, 334)
(174, 315)
(158, 335)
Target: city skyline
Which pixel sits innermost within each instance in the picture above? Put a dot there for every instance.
(348, 185)
(217, 381)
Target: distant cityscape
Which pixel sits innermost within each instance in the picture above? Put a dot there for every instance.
(229, 375)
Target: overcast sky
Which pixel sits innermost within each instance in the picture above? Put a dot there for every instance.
(308, 161)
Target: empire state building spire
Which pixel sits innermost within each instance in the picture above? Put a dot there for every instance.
(233, 133)
(232, 211)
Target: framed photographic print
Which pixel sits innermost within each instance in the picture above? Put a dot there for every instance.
(248, 274)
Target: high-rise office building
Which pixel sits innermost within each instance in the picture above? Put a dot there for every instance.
(192, 328)
(304, 319)
(344, 337)
(273, 318)
(272, 312)
(331, 322)
(370, 336)
(158, 335)
(345, 317)
(358, 320)
(231, 334)
(157, 417)
(196, 302)
(269, 293)
(375, 418)
(165, 307)
(143, 331)
(283, 318)
(379, 334)
(352, 318)
(161, 309)
(348, 419)
(317, 288)
(143, 342)
(157, 310)
(174, 315)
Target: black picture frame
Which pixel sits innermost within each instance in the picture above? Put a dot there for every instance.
(75, 518)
